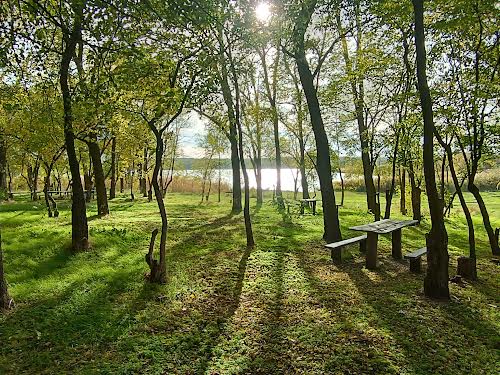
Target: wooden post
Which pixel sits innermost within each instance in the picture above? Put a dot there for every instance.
(314, 207)
(371, 250)
(396, 245)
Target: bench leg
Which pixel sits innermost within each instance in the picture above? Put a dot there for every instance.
(416, 265)
(314, 208)
(362, 246)
(396, 245)
(336, 255)
(302, 208)
(371, 250)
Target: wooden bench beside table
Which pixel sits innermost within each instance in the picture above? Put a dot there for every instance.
(416, 259)
(336, 247)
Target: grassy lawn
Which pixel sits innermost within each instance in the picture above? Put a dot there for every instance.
(281, 308)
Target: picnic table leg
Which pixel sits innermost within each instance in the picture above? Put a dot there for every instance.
(371, 250)
(302, 208)
(314, 207)
(396, 245)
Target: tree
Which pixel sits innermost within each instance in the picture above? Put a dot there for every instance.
(323, 166)
(436, 279)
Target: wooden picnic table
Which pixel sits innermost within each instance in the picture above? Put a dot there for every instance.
(310, 203)
(384, 226)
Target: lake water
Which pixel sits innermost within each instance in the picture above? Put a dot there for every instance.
(268, 178)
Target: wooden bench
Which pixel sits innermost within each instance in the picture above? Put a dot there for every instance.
(416, 259)
(336, 247)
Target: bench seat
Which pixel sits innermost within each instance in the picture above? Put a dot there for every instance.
(336, 247)
(416, 259)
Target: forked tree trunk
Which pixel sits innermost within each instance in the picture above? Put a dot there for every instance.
(302, 167)
(436, 279)
(79, 225)
(5, 300)
(112, 186)
(99, 178)
(323, 165)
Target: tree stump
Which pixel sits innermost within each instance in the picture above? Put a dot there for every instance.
(467, 268)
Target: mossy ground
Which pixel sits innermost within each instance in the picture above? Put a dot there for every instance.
(281, 308)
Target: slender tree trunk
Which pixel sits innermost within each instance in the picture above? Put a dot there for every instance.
(258, 179)
(472, 270)
(112, 186)
(79, 225)
(493, 239)
(390, 193)
(99, 178)
(246, 207)
(330, 214)
(158, 269)
(302, 167)
(145, 172)
(416, 192)
(402, 203)
(5, 300)
(436, 279)
(3, 167)
(342, 188)
(219, 181)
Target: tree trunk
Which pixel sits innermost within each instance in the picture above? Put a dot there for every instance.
(246, 207)
(470, 270)
(402, 201)
(145, 172)
(158, 269)
(302, 167)
(122, 188)
(49, 201)
(330, 214)
(112, 186)
(3, 167)
(416, 192)
(78, 210)
(5, 300)
(390, 192)
(436, 279)
(99, 178)
(493, 240)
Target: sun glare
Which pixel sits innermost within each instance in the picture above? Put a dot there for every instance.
(263, 12)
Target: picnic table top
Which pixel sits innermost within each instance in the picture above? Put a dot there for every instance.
(384, 226)
(309, 200)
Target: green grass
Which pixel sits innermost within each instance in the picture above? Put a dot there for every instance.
(279, 308)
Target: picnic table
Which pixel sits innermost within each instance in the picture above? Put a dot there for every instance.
(384, 226)
(310, 203)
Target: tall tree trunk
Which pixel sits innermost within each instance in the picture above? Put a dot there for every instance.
(302, 167)
(3, 167)
(158, 269)
(416, 192)
(5, 300)
(402, 201)
(79, 225)
(246, 207)
(495, 249)
(390, 193)
(99, 178)
(112, 186)
(258, 178)
(357, 88)
(330, 214)
(436, 279)
(472, 270)
(219, 180)
(145, 172)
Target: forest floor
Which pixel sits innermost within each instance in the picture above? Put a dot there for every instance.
(280, 308)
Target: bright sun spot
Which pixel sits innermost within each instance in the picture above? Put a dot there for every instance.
(263, 12)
